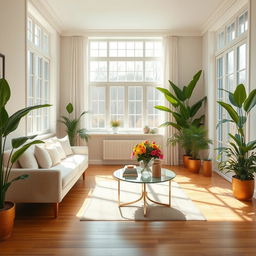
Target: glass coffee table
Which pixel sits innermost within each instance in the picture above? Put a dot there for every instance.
(166, 176)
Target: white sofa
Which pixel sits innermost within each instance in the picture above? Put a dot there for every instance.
(49, 185)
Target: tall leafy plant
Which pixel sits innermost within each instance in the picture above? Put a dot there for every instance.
(183, 112)
(72, 126)
(9, 124)
(240, 153)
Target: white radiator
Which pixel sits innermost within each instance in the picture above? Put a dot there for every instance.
(118, 149)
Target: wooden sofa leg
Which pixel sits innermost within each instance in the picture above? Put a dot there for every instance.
(56, 209)
(84, 175)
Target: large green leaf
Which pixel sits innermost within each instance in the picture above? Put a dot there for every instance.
(178, 92)
(172, 101)
(3, 118)
(233, 114)
(240, 95)
(171, 124)
(17, 142)
(194, 108)
(184, 111)
(14, 120)
(20, 151)
(5, 92)
(231, 97)
(223, 121)
(163, 108)
(199, 121)
(69, 108)
(192, 84)
(250, 102)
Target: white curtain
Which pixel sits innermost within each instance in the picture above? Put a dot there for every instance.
(170, 73)
(74, 75)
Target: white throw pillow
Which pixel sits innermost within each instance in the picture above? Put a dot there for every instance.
(54, 154)
(60, 150)
(43, 157)
(28, 160)
(66, 145)
(6, 157)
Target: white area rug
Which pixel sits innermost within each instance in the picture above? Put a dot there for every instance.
(102, 203)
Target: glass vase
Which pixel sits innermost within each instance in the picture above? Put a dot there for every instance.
(146, 172)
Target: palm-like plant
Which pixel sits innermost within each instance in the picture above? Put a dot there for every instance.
(8, 124)
(240, 153)
(184, 113)
(72, 126)
(197, 137)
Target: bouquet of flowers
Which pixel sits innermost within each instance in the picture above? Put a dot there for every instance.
(146, 151)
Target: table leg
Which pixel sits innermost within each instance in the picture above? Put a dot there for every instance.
(118, 192)
(170, 193)
(144, 199)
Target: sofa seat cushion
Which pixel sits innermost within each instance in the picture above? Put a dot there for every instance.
(70, 167)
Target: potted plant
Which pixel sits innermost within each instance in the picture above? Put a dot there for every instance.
(183, 112)
(8, 124)
(198, 141)
(240, 153)
(184, 140)
(207, 167)
(115, 124)
(72, 126)
(146, 129)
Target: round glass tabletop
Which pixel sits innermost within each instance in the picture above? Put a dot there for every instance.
(166, 175)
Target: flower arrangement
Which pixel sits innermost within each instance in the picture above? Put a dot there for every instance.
(145, 151)
(115, 123)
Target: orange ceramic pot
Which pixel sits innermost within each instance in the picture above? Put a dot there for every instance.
(207, 168)
(194, 165)
(242, 189)
(7, 216)
(185, 160)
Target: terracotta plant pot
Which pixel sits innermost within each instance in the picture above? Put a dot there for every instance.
(194, 165)
(242, 189)
(7, 216)
(185, 160)
(207, 168)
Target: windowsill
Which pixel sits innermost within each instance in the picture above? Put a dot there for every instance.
(122, 133)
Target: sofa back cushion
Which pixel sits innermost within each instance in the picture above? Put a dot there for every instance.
(66, 145)
(54, 154)
(28, 160)
(43, 157)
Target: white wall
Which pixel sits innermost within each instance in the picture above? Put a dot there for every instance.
(13, 45)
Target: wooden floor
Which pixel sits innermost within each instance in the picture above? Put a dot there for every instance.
(230, 228)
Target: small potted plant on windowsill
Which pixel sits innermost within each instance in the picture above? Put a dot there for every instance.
(207, 167)
(115, 124)
(199, 141)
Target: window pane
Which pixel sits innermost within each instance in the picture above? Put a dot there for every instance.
(98, 71)
(231, 32)
(135, 102)
(30, 30)
(230, 62)
(98, 107)
(152, 71)
(117, 104)
(241, 52)
(153, 49)
(37, 36)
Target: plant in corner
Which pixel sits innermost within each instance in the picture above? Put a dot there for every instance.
(8, 124)
(198, 142)
(72, 126)
(240, 153)
(183, 112)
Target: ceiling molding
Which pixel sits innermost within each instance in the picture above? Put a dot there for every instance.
(128, 32)
(48, 13)
(218, 14)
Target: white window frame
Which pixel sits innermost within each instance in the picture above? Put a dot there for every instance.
(222, 53)
(39, 52)
(126, 85)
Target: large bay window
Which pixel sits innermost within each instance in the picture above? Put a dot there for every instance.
(123, 74)
(231, 68)
(38, 82)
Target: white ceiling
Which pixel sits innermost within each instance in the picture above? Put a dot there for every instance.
(181, 16)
